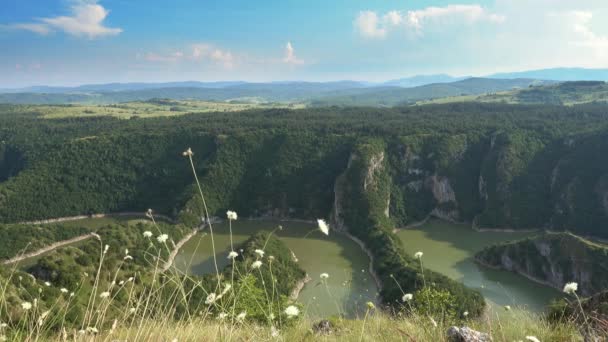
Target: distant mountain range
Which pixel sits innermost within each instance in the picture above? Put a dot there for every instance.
(390, 93)
(420, 80)
(559, 74)
(345, 93)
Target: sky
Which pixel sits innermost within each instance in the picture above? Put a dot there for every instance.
(71, 42)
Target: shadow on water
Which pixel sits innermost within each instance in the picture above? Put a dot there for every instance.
(348, 288)
(450, 248)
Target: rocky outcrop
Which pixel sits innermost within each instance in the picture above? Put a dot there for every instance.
(553, 259)
(466, 334)
(445, 197)
(375, 165)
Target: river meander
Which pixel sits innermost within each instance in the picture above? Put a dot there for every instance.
(450, 248)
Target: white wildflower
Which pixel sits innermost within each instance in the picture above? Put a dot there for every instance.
(227, 288)
(465, 314)
(26, 305)
(121, 283)
(323, 227)
(570, 288)
(418, 255)
(292, 311)
(274, 332)
(3, 325)
(259, 252)
(92, 330)
(271, 258)
(222, 315)
(162, 238)
(232, 255)
(293, 256)
(370, 305)
(532, 338)
(324, 276)
(241, 317)
(81, 332)
(130, 279)
(210, 299)
(232, 216)
(105, 249)
(188, 152)
(256, 264)
(42, 317)
(132, 310)
(104, 294)
(64, 290)
(508, 307)
(149, 213)
(128, 257)
(148, 234)
(47, 284)
(407, 297)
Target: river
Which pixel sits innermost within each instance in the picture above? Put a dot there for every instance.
(449, 249)
(349, 285)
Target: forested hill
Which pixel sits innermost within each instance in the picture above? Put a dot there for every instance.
(501, 166)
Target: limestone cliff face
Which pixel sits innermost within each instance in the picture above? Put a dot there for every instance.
(444, 195)
(339, 187)
(372, 167)
(553, 259)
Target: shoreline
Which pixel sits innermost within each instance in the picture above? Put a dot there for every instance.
(50, 248)
(95, 216)
(360, 243)
(295, 292)
(369, 254)
(525, 275)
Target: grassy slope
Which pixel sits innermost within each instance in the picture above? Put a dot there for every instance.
(148, 109)
(377, 327)
(568, 93)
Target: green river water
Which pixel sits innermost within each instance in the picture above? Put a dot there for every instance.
(349, 285)
(448, 248)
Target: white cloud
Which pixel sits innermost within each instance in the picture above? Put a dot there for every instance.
(85, 20)
(41, 29)
(501, 36)
(197, 53)
(371, 25)
(202, 52)
(168, 58)
(290, 55)
(581, 25)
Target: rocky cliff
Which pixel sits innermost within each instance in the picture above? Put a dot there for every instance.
(553, 259)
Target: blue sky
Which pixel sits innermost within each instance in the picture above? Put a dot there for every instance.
(68, 42)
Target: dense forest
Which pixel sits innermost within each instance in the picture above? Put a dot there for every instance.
(499, 166)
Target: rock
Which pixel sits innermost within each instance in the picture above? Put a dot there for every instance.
(466, 334)
(323, 327)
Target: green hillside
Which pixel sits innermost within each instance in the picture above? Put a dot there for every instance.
(567, 93)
